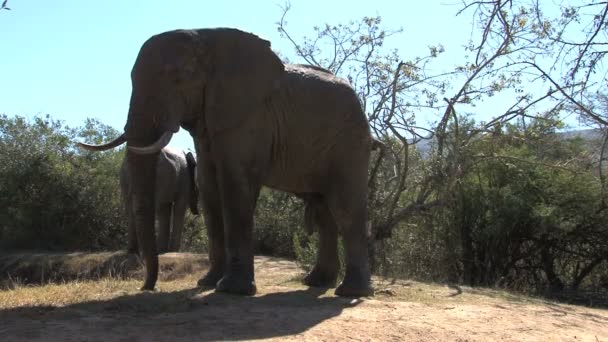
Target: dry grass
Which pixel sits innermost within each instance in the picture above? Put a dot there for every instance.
(60, 279)
(431, 293)
(57, 279)
(18, 269)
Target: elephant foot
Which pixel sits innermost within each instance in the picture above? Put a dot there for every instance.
(147, 287)
(318, 278)
(355, 284)
(236, 284)
(210, 279)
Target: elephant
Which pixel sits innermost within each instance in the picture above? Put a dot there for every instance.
(175, 191)
(255, 121)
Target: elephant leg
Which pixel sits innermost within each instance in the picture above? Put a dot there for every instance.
(348, 204)
(325, 271)
(132, 246)
(177, 228)
(163, 215)
(238, 197)
(212, 213)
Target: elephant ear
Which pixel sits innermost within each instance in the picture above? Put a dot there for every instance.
(244, 72)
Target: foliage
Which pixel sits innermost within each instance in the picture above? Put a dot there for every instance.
(305, 248)
(195, 238)
(531, 223)
(526, 214)
(279, 216)
(4, 6)
(53, 196)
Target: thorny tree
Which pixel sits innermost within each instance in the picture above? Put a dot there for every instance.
(512, 64)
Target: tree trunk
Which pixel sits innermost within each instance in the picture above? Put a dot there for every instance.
(371, 251)
(468, 262)
(555, 283)
(584, 273)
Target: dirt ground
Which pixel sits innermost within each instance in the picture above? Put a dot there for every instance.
(283, 310)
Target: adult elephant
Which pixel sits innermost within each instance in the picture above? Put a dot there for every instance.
(175, 191)
(255, 121)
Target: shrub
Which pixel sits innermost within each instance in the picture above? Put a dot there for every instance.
(54, 196)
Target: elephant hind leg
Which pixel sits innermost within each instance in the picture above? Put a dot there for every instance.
(177, 227)
(325, 271)
(347, 201)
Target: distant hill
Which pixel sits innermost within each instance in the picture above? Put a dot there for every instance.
(593, 136)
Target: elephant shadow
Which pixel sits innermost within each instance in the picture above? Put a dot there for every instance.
(186, 314)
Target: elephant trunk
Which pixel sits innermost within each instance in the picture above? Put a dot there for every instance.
(142, 176)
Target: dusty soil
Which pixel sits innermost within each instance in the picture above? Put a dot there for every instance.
(283, 310)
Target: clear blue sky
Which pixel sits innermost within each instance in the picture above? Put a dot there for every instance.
(72, 59)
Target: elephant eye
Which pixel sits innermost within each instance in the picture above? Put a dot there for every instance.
(179, 78)
(172, 79)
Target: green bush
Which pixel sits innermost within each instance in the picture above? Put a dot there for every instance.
(54, 196)
(526, 213)
(305, 249)
(278, 217)
(195, 238)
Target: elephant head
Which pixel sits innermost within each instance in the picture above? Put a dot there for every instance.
(203, 80)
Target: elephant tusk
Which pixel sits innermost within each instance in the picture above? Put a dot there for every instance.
(155, 147)
(103, 147)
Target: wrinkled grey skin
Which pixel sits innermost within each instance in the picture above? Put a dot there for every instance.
(175, 192)
(255, 122)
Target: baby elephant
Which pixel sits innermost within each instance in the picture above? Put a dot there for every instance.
(175, 191)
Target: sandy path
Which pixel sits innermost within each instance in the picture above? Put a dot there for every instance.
(286, 311)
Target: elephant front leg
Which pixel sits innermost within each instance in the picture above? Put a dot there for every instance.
(325, 271)
(349, 208)
(163, 214)
(132, 246)
(177, 227)
(212, 212)
(239, 196)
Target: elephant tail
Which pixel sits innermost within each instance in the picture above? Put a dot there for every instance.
(309, 217)
(315, 67)
(194, 187)
(377, 145)
(312, 203)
